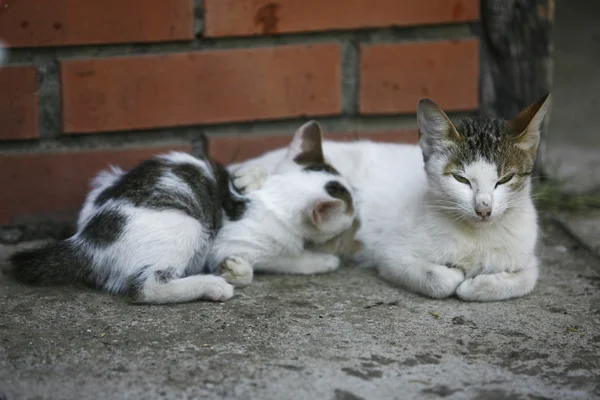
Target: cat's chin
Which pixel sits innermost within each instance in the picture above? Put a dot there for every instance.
(480, 222)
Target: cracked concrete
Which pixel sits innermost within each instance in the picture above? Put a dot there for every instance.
(345, 335)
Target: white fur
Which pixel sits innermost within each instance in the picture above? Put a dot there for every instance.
(237, 271)
(276, 224)
(410, 229)
(287, 213)
(154, 241)
(306, 263)
(252, 179)
(270, 236)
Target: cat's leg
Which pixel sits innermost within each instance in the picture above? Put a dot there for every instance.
(161, 286)
(307, 263)
(499, 286)
(421, 276)
(236, 271)
(250, 178)
(167, 270)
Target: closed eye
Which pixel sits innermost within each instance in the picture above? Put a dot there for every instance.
(462, 179)
(504, 180)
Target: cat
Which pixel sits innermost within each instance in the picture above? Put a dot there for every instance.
(452, 215)
(161, 231)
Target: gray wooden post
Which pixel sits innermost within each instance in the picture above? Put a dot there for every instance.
(516, 57)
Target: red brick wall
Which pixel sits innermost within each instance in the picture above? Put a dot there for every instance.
(92, 83)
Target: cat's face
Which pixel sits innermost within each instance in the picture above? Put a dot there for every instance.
(479, 168)
(329, 208)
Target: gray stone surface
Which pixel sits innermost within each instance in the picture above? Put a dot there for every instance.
(584, 228)
(345, 335)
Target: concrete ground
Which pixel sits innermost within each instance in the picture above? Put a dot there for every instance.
(345, 335)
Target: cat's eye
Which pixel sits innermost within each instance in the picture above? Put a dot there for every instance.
(336, 189)
(461, 179)
(504, 180)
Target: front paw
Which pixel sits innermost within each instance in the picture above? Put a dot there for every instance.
(236, 271)
(218, 289)
(479, 288)
(442, 281)
(323, 264)
(330, 263)
(250, 178)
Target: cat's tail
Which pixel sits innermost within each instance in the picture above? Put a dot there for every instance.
(55, 263)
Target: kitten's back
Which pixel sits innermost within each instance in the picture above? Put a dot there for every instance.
(143, 230)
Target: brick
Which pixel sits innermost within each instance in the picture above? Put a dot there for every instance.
(43, 184)
(264, 17)
(200, 87)
(228, 149)
(19, 103)
(75, 22)
(395, 76)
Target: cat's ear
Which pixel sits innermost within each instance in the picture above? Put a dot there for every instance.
(526, 126)
(436, 131)
(323, 210)
(307, 145)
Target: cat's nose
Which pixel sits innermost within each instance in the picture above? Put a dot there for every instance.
(484, 211)
(483, 205)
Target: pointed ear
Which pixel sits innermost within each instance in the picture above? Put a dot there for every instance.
(306, 147)
(436, 131)
(525, 127)
(323, 209)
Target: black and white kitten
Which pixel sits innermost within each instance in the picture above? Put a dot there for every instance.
(155, 231)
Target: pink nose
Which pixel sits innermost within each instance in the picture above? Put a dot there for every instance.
(484, 212)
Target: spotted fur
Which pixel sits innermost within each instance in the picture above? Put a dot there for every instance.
(160, 231)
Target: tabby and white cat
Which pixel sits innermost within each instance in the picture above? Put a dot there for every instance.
(156, 231)
(453, 215)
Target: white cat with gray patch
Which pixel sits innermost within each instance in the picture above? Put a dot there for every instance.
(452, 216)
(157, 231)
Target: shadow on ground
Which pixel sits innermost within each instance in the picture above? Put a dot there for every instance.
(344, 335)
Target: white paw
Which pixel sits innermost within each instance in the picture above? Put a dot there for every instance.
(482, 288)
(237, 271)
(331, 263)
(218, 290)
(327, 263)
(442, 281)
(250, 178)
